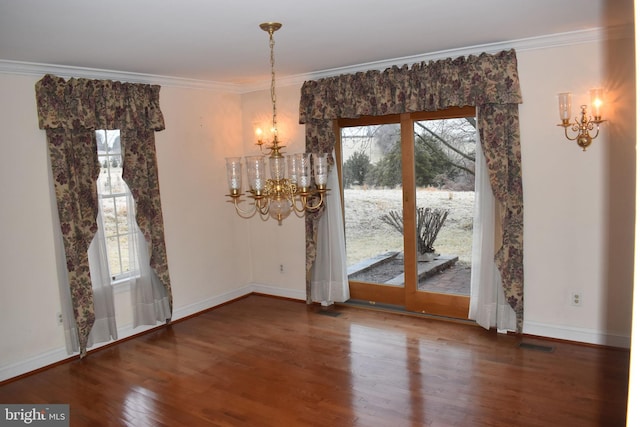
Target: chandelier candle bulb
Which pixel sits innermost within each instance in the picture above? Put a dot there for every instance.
(564, 105)
(321, 168)
(596, 103)
(277, 167)
(234, 175)
(292, 168)
(304, 171)
(256, 173)
(304, 182)
(259, 136)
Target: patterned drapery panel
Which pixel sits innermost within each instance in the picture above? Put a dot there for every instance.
(70, 112)
(499, 131)
(140, 172)
(75, 169)
(488, 82)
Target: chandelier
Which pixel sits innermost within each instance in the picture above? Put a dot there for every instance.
(290, 187)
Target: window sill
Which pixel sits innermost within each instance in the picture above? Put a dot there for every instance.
(122, 285)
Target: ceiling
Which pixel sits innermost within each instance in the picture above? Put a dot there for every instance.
(220, 41)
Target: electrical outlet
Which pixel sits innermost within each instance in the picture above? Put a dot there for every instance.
(576, 299)
(281, 268)
(59, 318)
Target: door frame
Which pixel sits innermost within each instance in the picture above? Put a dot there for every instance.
(408, 296)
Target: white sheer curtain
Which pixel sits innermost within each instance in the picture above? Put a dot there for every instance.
(149, 298)
(487, 305)
(329, 282)
(104, 328)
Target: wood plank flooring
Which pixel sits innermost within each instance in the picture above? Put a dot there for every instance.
(263, 361)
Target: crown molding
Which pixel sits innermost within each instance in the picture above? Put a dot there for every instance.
(521, 45)
(37, 69)
(532, 43)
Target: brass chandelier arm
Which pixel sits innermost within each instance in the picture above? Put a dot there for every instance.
(305, 199)
(241, 212)
(262, 205)
(297, 197)
(259, 205)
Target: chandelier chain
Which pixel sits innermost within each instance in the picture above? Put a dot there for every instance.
(273, 83)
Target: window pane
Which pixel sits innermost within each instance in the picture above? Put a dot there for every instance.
(444, 169)
(115, 203)
(372, 181)
(113, 254)
(122, 219)
(124, 252)
(109, 217)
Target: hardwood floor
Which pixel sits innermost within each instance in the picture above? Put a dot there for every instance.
(263, 361)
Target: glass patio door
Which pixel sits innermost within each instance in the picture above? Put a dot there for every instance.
(372, 193)
(379, 179)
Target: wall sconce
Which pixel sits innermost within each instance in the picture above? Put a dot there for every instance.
(583, 128)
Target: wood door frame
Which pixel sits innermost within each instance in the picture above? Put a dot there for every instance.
(408, 296)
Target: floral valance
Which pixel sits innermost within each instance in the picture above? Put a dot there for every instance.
(425, 86)
(97, 104)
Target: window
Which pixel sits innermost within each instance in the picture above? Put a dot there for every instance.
(116, 208)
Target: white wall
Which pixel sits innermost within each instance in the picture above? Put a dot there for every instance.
(272, 245)
(28, 289)
(202, 128)
(204, 251)
(579, 207)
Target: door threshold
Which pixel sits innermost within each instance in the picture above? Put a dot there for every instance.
(398, 309)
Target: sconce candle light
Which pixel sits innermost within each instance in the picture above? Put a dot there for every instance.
(585, 129)
(290, 186)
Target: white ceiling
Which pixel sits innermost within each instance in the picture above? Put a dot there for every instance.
(219, 40)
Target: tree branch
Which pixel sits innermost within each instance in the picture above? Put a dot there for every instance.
(439, 138)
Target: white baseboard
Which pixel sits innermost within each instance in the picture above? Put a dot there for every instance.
(33, 363)
(569, 333)
(200, 306)
(531, 328)
(279, 292)
(125, 331)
